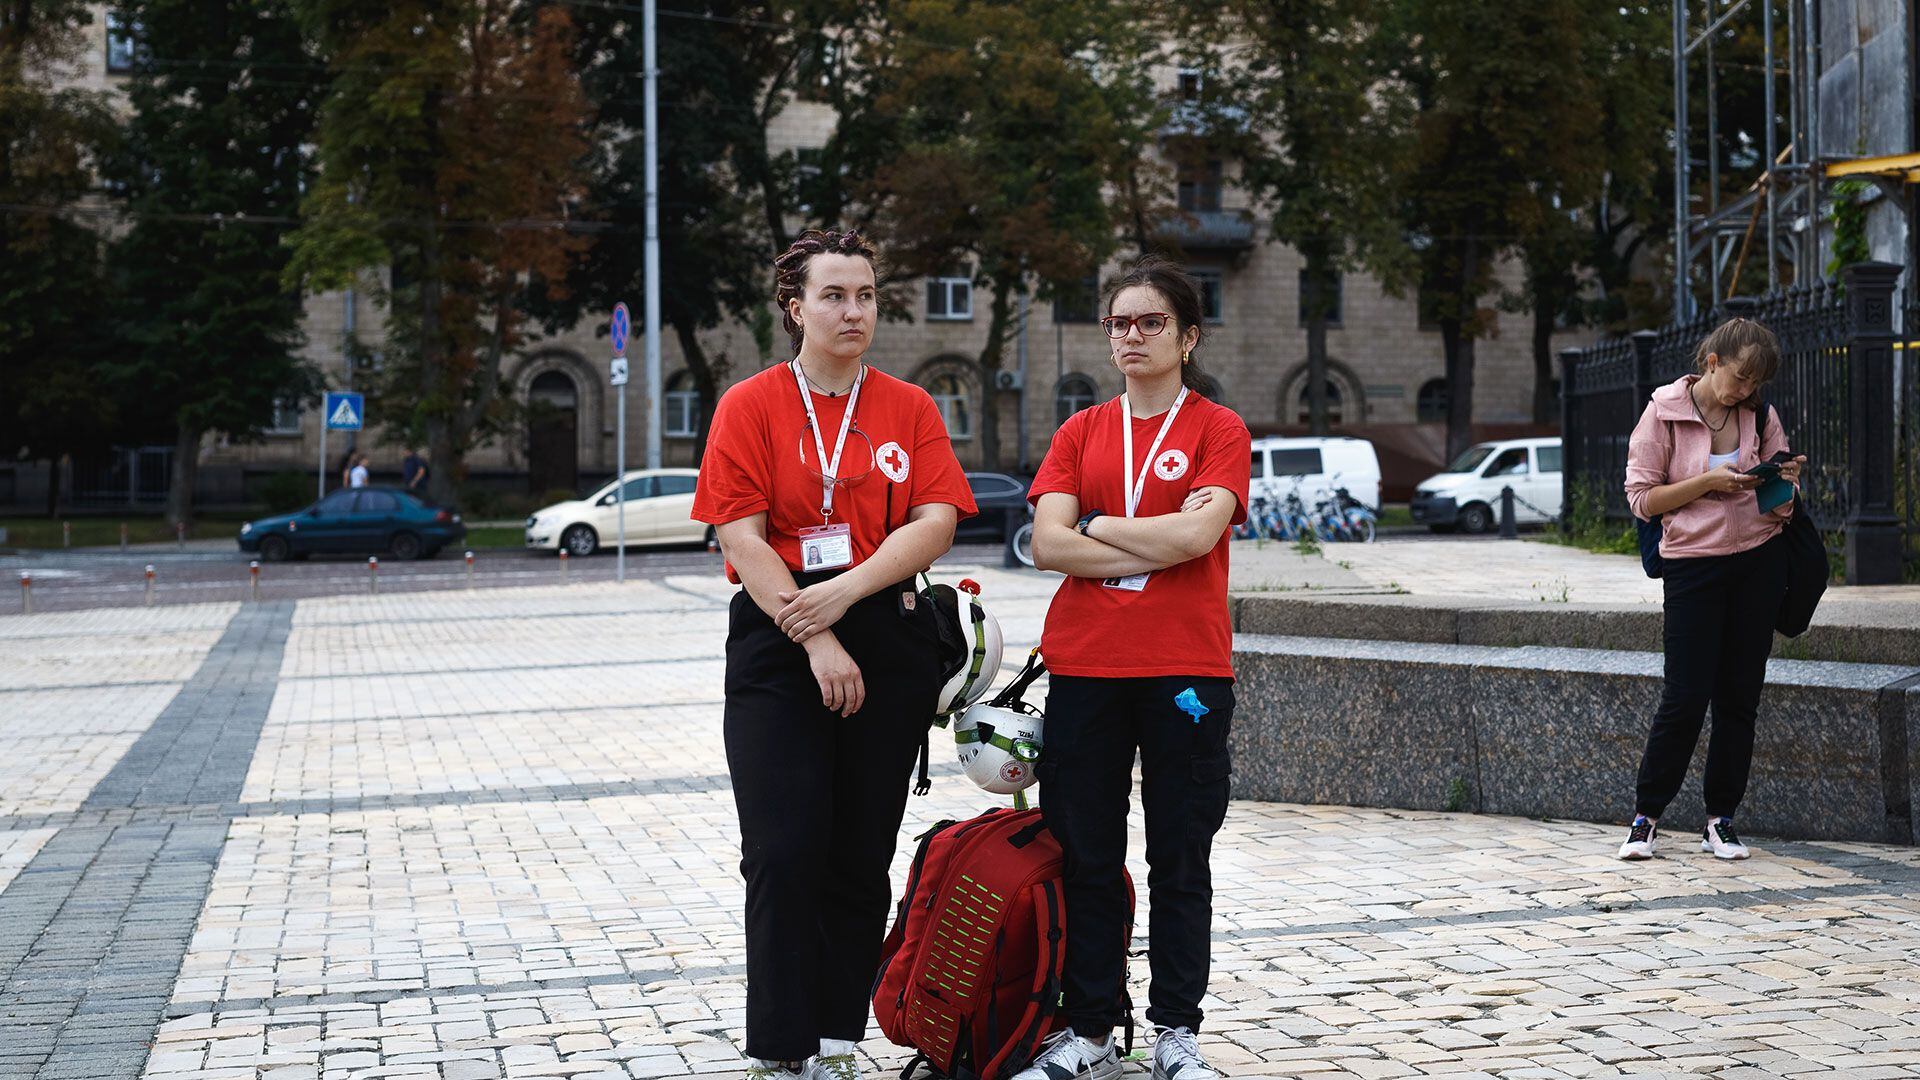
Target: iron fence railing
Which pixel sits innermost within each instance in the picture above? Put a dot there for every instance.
(1907, 456)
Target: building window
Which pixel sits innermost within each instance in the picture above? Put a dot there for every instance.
(1076, 392)
(1212, 286)
(1333, 300)
(682, 404)
(1200, 186)
(950, 296)
(286, 418)
(1188, 84)
(1078, 303)
(1431, 405)
(122, 50)
(949, 392)
(1336, 408)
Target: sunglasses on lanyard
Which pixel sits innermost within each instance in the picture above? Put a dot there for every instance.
(857, 459)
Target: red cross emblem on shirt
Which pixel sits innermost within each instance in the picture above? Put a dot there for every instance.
(895, 460)
(1169, 463)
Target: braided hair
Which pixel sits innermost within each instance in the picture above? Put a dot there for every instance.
(790, 269)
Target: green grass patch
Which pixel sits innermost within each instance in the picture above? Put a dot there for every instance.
(1395, 514)
(1589, 528)
(496, 536)
(40, 532)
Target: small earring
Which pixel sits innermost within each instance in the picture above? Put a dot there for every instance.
(1186, 359)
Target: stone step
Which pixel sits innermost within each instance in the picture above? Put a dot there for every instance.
(1557, 732)
(1858, 632)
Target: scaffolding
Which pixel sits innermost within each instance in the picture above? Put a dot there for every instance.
(1790, 189)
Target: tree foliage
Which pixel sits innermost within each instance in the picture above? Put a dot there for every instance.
(211, 171)
(725, 194)
(1496, 105)
(1296, 98)
(51, 344)
(989, 135)
(450, 147)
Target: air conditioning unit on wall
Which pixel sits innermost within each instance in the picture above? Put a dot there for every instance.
(1007, 380)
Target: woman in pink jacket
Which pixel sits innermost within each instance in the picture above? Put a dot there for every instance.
(1725, 572)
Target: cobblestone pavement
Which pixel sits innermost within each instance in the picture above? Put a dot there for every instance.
(462, 835)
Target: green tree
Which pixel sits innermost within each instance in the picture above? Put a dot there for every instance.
(1493, 97)
(1296, 100)
(223, 95)
(988, 136)
(1592, 199)
(52, 398)
(726, 71)
(450, 145)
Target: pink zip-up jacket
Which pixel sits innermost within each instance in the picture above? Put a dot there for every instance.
(1671, 444)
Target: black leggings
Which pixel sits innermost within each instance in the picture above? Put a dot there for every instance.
(1720, 612)
(1093, 728)
(820, 800)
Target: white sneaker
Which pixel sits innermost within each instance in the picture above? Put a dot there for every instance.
(834, 1062)
(1176, 1054)
(1719, 838)
(1067, 1056)
(762, 1069)
(1639, 843)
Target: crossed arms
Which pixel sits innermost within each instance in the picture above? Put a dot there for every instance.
(1116, 546)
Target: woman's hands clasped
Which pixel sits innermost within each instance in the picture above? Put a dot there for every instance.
(813, 609)
(808, 615)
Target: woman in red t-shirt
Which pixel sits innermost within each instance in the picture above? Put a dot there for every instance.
(1134, 502)
(829, 484)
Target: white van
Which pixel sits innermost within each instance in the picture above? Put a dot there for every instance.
(1466, 495)
(1317, 464)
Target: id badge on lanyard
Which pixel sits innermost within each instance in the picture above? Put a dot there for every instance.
(1138, 582)
(827, 546)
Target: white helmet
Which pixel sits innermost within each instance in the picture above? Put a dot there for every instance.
(999, 741)
(999, 746)
(970, 668)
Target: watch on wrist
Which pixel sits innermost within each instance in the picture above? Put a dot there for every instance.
(1085, 521)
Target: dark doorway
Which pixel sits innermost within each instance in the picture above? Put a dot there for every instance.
(553, 446)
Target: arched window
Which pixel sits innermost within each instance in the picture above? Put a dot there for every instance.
(682, 403)
(949, 392)
(1075, 392)
(1431, 405)
(1336, 410)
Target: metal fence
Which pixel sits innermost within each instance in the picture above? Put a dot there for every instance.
(1907, 459)
(1847, 393)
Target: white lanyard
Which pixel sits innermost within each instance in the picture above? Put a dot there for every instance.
(829, 469)
(1126, 447)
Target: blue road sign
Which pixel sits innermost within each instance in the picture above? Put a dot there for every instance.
(618, 329)
(346, 410)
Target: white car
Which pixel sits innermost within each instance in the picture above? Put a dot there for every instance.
(1466, 495)
(659, 502)
(1317, 465)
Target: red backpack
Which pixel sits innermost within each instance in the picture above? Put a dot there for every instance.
(970, 974)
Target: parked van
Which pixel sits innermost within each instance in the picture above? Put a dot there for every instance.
(1466, 495)
(1318, 464)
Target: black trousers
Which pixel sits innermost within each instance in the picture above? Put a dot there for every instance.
(820, 799)
(1720, 612)
(1086, 775)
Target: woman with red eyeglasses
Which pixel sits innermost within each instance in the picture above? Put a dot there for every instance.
(1134, 502)
(829, 485)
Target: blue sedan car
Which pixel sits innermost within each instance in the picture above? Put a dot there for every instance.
(356, 521)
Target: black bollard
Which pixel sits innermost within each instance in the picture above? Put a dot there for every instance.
(1508, 529)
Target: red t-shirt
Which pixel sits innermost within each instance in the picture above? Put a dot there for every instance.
(1179, 624)
(754, 463)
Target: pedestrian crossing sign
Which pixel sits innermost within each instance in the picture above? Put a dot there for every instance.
(346, 410)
